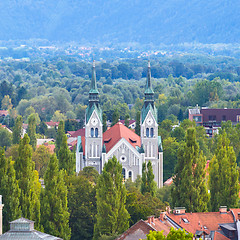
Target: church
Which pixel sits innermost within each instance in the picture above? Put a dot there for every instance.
(95, 148)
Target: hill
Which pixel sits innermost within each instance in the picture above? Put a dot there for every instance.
(118, 21)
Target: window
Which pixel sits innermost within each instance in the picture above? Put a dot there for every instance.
(92, 132)
(130, 175)
(152, 132)
(224, 117)
(147, 132)
(123, 158)
(185, 220)
(96, 132)
(124, 174)
(238, 118)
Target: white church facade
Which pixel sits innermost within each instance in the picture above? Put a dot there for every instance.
(95, 148)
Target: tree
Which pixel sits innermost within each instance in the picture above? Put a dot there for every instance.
(148, 183)
(54, 202)
(126, 123)
(10, 191)
(179, 234)
(28, 181)
(58, 116)
(31, 130)
(112, 216)
(104, 119)
(59, 137)
(65, 156)
(17, 130)
(223, 177)
(7, 103)
(137, 128)
(82, 207)
(115, 117)
(41, 157)
(190, 175)
(5, 137)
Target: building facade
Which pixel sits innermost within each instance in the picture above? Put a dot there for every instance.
(95, 148)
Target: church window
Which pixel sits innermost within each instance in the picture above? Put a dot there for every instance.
(124, 174)
(130, 175)
(152, 132)
(123, 158)
(147, 132)
(92, 132)
(96, 132)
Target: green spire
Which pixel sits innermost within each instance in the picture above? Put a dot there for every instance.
(149, 89)
(93, 82)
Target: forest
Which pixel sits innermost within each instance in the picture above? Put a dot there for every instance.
(57, 89)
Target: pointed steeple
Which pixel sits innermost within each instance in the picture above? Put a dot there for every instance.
(93, 81)
(149, 94)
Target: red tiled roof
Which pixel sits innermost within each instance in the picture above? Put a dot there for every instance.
(52, 124)
(79, 132)
(219, 236)
(197, 221)
(168, 182)
(117, 132)
(235, 212)
(3, 112)
(139, 229)
(159, 226)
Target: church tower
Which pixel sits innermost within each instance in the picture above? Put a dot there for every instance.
(93, 127)
(149, 130)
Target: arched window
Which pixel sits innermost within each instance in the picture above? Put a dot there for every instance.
(92, 132)
(152, 132)
(96, 132)
(147, 132)
(124, 174)
(130, 175)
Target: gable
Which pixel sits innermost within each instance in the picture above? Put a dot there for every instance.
(90, 110)
(113, 135)
(94, 114)
(146, 110)
(150, 115)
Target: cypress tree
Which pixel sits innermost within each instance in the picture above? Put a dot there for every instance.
(31, 130)
(66, 159)
(104, 117)
(55, 217)
(10, 191)
(126, 122)
(190, 189)
(28, 181)
(59, 137)
(17, 130)
(223, 181)
(137, 128)
(115, 117)
(112, 216)
(148, 183)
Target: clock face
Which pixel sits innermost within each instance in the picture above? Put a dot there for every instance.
(94, 121)
(149, 121)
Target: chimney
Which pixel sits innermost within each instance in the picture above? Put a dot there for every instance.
(179, 210)
(1, 207)
(223, 209)
(162, 216)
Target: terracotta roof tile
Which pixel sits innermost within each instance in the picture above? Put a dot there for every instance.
(202, 221)
(159, 226)
(79, 132)
(235, 212)
(219, 236)
(118, 131)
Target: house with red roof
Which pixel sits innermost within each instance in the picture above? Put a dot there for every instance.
(95, 147)
(222, 225)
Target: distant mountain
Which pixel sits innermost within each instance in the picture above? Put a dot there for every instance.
(117, 21)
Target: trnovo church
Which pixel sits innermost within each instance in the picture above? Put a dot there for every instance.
(131, 150)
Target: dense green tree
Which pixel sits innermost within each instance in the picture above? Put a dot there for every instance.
(60, 135)
(104, 119)
(223, 177)
(115, 117)
(82, 207)
(190, 174)
(112, 216)
(17, 130)
(9, 190)
(66, 158)
(54, 203)
(31, 130)
(148, 183)
(126, 123)
(90, 173)
(137, 128)
(28, 181)
(41, 157)
(5, 137)
(6, 103)
(42, 128)
(170, 146)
